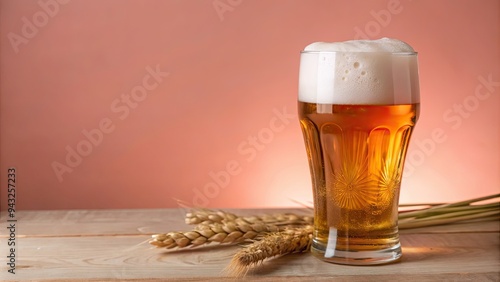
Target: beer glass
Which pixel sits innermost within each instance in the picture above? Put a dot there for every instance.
(357, 112)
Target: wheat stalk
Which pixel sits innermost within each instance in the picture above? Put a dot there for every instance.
(274, 244)
(227, 228)
(227, 233)
(463, 211)
(206, 216)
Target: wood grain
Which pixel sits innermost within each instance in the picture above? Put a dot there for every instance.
(111, 245)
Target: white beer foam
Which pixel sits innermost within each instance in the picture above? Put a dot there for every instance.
(359, 72)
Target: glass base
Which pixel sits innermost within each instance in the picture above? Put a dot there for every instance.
(367, 257)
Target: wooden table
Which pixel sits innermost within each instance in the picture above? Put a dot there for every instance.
(102, 245)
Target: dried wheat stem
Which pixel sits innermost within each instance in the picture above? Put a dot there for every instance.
(273, 244)
(446, 219)
(227, 233)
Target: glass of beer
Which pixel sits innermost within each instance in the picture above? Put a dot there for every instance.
(358, 104)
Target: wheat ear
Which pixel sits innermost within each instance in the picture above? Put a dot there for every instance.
(206, 216)
(274, 244)
(227, 233)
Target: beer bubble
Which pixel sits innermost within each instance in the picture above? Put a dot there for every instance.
(374, 209)
(356, 65)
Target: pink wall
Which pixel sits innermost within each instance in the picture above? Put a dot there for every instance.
(232, 76)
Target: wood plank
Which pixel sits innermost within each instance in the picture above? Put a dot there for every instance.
(124, 257)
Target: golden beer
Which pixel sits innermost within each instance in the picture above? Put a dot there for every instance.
(358, 104)
(356, 155)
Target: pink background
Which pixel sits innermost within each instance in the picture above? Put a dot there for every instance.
(232, 66)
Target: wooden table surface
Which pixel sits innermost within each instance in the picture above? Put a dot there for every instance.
(103, 245)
